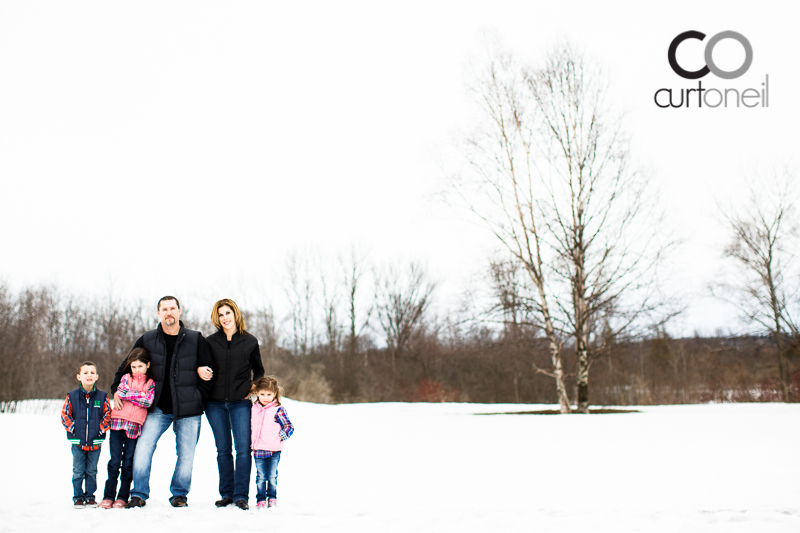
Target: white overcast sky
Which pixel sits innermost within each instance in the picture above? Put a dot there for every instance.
(188, 147)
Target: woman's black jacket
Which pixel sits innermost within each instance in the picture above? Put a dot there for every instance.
(235, 366)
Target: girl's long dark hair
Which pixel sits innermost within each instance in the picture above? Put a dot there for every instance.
(139, 354)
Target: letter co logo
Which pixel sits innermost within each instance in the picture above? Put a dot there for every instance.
(710, 65)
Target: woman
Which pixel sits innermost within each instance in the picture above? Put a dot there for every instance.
(238, 363)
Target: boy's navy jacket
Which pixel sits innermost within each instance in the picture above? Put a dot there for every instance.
(87, 416)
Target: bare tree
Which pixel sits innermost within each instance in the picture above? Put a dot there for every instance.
(763, 236)
(501, 187)
(514, 302)
(402, 297)
(563, 199)
(330, 305)
(300, 293)
(514, 299)
(354, 268)
(602, 225)
(262, 323)
(509, 294)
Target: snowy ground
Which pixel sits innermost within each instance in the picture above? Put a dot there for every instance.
(437, 467)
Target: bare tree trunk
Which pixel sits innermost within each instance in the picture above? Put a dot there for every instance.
(555, 356)
(581, 322)
(354, 268)
(783, 366)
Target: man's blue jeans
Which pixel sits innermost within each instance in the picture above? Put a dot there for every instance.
(267, 476)
(84, 468)
(187, 433)
(226, 418)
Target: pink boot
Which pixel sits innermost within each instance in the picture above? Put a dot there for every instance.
(119, 504)
(106, 504)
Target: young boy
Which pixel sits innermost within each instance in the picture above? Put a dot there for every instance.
(86, 416)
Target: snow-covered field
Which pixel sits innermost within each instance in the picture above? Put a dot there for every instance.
(438, 467)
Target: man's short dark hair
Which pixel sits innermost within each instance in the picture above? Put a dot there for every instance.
(158, 307)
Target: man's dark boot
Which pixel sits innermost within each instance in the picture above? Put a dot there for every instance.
(135, 502)
(178, 501)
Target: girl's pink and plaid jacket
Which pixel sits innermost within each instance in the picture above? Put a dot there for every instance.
(137, 393)
(265, 431)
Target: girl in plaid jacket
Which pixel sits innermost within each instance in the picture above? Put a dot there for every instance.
(269, 427)
(136, 390)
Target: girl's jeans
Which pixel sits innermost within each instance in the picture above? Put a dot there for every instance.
(121, 448)
(267, 476)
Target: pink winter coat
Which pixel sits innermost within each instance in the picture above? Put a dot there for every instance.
(133, 387)
(264, 430)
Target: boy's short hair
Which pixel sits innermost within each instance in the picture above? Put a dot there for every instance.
(87, 363)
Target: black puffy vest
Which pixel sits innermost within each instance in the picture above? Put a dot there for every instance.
(186, 398)
(87, 417)
(233, 374)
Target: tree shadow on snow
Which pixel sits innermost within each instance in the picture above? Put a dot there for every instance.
(557, 412)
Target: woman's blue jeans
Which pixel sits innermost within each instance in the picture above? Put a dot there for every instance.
(226, 419)
(267, 476)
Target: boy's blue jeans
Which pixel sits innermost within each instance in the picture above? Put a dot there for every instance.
(226, 418)
(267, 476)
(84, 468)
(187, 433)
(121, 448)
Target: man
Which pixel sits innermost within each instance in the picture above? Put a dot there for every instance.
(175, 353)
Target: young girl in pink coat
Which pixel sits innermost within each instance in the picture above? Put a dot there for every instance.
(270, 426)
(136, 391)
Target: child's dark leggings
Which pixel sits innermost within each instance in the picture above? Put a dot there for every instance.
(121, 448)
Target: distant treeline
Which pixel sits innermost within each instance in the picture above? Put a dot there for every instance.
(44, 334)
